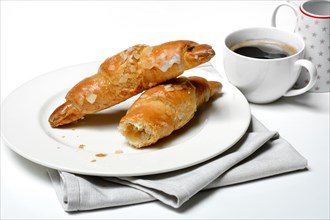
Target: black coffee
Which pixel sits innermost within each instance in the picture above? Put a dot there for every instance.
(263, 49)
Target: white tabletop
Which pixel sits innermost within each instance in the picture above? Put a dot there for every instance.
(40, 36)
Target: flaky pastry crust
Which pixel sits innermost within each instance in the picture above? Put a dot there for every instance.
(165, 108)
(128, 73)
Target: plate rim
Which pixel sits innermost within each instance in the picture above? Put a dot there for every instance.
(97, 173)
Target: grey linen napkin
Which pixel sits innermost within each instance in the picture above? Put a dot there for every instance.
(260, 153)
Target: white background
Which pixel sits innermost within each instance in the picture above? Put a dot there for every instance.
(40, 36)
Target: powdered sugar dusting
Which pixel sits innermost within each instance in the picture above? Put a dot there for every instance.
(175, 59)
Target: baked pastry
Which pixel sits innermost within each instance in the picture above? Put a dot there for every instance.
(165, 108)
(128, 73)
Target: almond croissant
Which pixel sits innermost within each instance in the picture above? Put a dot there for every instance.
(128, 73)
(165, 108)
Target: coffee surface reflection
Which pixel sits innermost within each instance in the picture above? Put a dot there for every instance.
(263, 49)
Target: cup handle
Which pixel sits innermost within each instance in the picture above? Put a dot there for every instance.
(293, 7)
(312, 80)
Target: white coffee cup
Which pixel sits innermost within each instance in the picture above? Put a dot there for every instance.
(313, 25)
(266, 80)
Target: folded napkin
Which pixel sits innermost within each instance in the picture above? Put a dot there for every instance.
(260, 153)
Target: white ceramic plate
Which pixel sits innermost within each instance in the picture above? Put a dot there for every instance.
(217, 126)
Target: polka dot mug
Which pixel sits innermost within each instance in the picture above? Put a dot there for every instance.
(313, 25)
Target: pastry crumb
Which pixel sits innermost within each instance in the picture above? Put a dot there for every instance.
(81, 146)
(93, 161)
(101, 155)
(119, 152)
